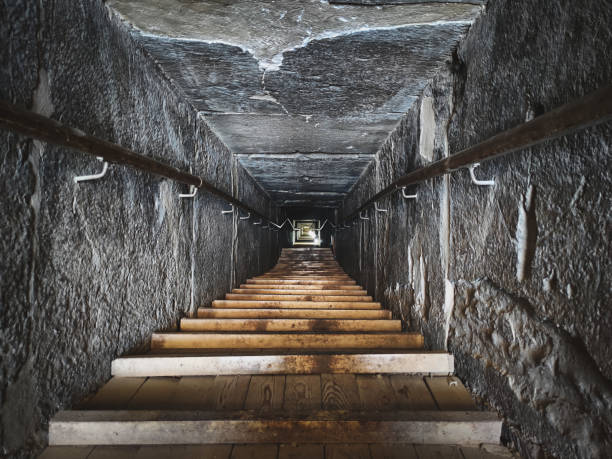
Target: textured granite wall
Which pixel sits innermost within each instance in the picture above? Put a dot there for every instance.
(513, 279)
(89, 270)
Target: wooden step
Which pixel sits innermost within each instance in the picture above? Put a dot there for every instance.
(307, 297)
(263, 291)
(140, 427)
(325, 391)
(435, 363)
(312, 277)
(310, 256)
(185, 340)
(307, 271)
(281, 451)
(294, 313)
(308, 265)
(271, 286)
(296, 304)
(302, 272)
(322, 260)
(299, 250)
(316, 275)
(282, 325)
(274, 280)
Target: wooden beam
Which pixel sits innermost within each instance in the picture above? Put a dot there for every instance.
(230, 313)
(593, 109)
(307, 297)
(304, 281)
(302, 287)
(194, 427)
(290, 325)
(265, 291)
(186, 340)
(296, 304)
(436, 363)
(303, 276)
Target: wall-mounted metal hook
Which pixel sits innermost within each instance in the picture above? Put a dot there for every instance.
(192, 192)
(86, 178)
(259, 222)
(361, 217)
(408, 196)
(475, 181)
(323, 225)
(231, 211)
(281, 225)
(245, 218)
(380, 210)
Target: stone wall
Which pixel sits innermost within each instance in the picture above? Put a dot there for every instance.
(89, 270)
(513, 279)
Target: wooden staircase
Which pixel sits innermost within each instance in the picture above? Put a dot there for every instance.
(298, 362)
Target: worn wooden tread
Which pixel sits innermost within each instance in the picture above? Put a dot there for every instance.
(306, 297)
(302, 287)
(308, 266)
(265, 291)
(283, 351)
(298, 274)
(140, 427)
(267, 363)
(295, 276)
(296, 304)
(295, 313)
(184, 340)
(282, 451)
(272, 325)
(274, 280)
(302, 271)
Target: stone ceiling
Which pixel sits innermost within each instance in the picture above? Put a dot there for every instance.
(304, 92)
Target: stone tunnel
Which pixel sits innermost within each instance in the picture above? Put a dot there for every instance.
(450, 158)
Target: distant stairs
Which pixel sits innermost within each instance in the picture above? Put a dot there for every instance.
(298, 362)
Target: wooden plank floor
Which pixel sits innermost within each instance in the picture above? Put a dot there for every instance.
(284, 392)
(280, 451)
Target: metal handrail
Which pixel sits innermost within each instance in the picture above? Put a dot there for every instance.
(43, 128)
(591, 110)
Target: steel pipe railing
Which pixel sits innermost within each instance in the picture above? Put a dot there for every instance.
(593, 109)
(46, 129)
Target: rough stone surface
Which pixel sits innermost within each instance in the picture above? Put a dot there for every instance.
(89, 270)
(514, 279)
(308, 175)
(298, 76)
